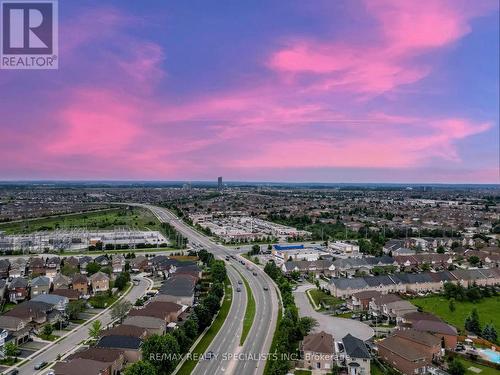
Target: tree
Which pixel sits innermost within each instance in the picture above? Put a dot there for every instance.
(474, 260)
(440, 249)
(47, 330)
(455, 367)
(169, 349)
(191, 328)
(490, 333)
(95, 329)
(121, 280)
(472, 322)
(203, 315)
(141, 368)
(11, 349)
(425, 266)
(212, 303)
(218, 270)
(182, 339)
(92, 268)
(120, 310)
(74, 308)
(451, 305)
(68, 270)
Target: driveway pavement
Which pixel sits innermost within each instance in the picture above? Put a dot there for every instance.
(338, 327)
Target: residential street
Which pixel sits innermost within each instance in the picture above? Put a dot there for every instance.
(80, 334)
(338, 327)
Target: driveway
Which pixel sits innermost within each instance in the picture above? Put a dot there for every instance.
(338, 327)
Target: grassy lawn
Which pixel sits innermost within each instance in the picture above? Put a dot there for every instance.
(249, 312)
(302, 372)
(8, 306)
(101, 301)
(210, 334)
(485, 370)
(106, 219)
(375, 369)
(321, 297)
(48, 337)
(487, 309)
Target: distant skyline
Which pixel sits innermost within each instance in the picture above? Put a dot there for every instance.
(373, 91)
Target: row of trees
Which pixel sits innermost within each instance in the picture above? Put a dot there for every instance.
(291, 328)
(177, 240)
(473, 324)
(472, 293)
(172, 346)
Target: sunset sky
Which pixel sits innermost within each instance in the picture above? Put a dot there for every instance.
(311, 91)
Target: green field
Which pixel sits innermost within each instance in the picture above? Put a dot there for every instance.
(321, 297)
(249, 312)
(487, 309)
(105, 219)
(210, 334)
(485, 370)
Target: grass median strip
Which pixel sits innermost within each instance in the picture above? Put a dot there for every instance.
(210, 334)
(249, 313)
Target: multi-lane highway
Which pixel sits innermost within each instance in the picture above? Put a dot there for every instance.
(229, 357)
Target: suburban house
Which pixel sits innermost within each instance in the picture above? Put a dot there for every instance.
(17, 328)
(118, 263)
(178, 289)
(409, 351)
(361, 300)
(80, 366)
(61, 281)
(40, 285)
(114, 357)
(317, 352)
(80, 283)
(36, 266)
(131, 346)
(127, 330)
(154, 326)
(18, 290)
(58, 302)
(17, 268)
(139, 264)
(70, 294)
(167, 311)
(99, 282)
(353, 354)
(316, 267)
(4, 268)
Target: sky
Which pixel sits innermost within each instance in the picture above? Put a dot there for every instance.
(290, 91)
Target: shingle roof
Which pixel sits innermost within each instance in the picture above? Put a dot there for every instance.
(125, 330)
(354, 347)
(434, 326)
(420, 337)
(178, 285)
(403, 348)
(344, 283)
(40, 281)
(321, 342)
(120, 342)
(53, 299)
(98, 354)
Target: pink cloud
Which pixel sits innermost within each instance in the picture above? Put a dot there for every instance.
(406, 29)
